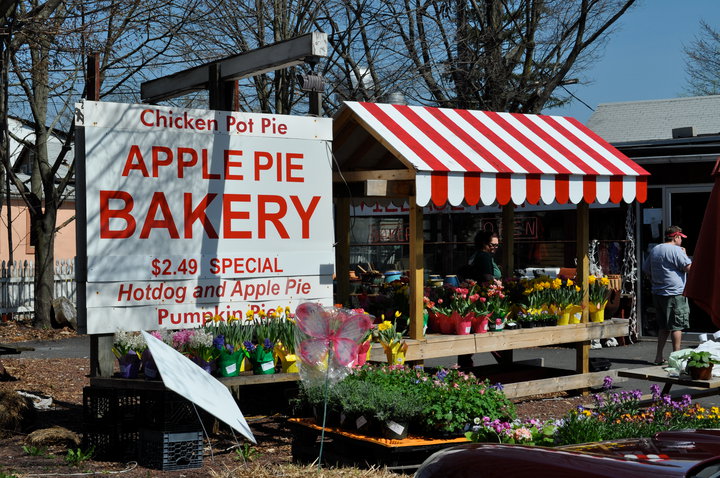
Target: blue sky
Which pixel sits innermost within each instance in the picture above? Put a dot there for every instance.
(644, 59)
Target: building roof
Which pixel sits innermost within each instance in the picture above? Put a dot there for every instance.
(656, 119)
(482, 157)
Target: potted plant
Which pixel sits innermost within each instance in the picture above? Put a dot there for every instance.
(700, 365)
(395, 408)
(127, 347)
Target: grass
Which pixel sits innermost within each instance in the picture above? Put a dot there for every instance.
(296, 471)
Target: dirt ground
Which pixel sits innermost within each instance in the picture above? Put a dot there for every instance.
(63, 380)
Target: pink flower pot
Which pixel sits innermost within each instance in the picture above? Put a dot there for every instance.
(463, 324)
(362, 353)
(480, 323)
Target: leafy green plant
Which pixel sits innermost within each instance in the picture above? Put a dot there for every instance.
(35, 450)
(446, 401)
(75, 457)
(5, 475)
(700, 359)
(246, 453)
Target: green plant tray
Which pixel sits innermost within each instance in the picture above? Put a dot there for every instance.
(342, 448)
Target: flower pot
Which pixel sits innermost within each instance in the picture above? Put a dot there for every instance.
(393, 430)
(447, 325)
(564, 317)
(463, 324)
(363, 425)
(395, 353)
(229, 364)
(129, 365)
(263, 361)
(148, 366)
(597, 312)
(700, 373)
(575, 312)
(363, 353)
(206, 365)
(480, 324)
(288, 361)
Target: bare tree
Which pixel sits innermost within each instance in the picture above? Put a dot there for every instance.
(47, 52)
(499, 55)
(703, 62)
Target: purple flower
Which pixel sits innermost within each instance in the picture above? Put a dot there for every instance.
(219, 342)
(607, 383)
(655, 390)
(249, 346)
(267, 345)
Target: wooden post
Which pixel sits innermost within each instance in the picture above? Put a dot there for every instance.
(102, 359)
(508, 239)
(417, 270)
(221, 93)
(583, 265)
(342, 251)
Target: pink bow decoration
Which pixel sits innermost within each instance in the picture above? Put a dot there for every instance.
(329, 329)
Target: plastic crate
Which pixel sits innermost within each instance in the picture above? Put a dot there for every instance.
(109, 406)
(171, 451)
(111, 443)
(168, 412)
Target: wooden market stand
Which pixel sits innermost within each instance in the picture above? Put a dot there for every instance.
(373, 153)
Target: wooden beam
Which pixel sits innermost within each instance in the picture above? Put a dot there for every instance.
(558, 384)
(508, 239)
(342, 251)
(417, 270)
(582, 349)
(283, 54)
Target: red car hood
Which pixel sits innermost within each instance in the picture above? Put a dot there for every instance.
(667, 454)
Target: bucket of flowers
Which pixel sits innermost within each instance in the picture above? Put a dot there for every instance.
(392, 342)
(453, 313)
(499, 305)
(127, 348)
(598, 291)
(284, 332)
(202, 350)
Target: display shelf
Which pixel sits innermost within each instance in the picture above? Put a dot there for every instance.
(436, 345)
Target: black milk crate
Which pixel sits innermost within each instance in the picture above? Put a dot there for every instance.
(110, 406)
(171, 451)
(111, 443)
(166, 411)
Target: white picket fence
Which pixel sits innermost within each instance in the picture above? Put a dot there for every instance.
(17, 293)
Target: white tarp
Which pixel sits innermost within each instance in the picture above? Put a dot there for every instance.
(182, 376)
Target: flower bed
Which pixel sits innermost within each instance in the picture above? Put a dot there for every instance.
(437, 403)
(615, 415)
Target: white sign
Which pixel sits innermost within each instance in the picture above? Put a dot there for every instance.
(182, 200)
(185, 378)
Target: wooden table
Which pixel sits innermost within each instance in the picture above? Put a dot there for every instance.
(436, 345)
(658, 373)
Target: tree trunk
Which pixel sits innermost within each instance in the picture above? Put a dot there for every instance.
(44, 222)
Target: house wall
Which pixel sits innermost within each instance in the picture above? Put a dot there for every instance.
(22, 249)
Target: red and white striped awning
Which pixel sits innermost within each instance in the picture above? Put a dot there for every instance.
(483, 157)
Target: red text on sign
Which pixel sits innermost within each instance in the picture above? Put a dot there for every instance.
(244, 216)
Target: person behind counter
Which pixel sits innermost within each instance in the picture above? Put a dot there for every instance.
(482, 266)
